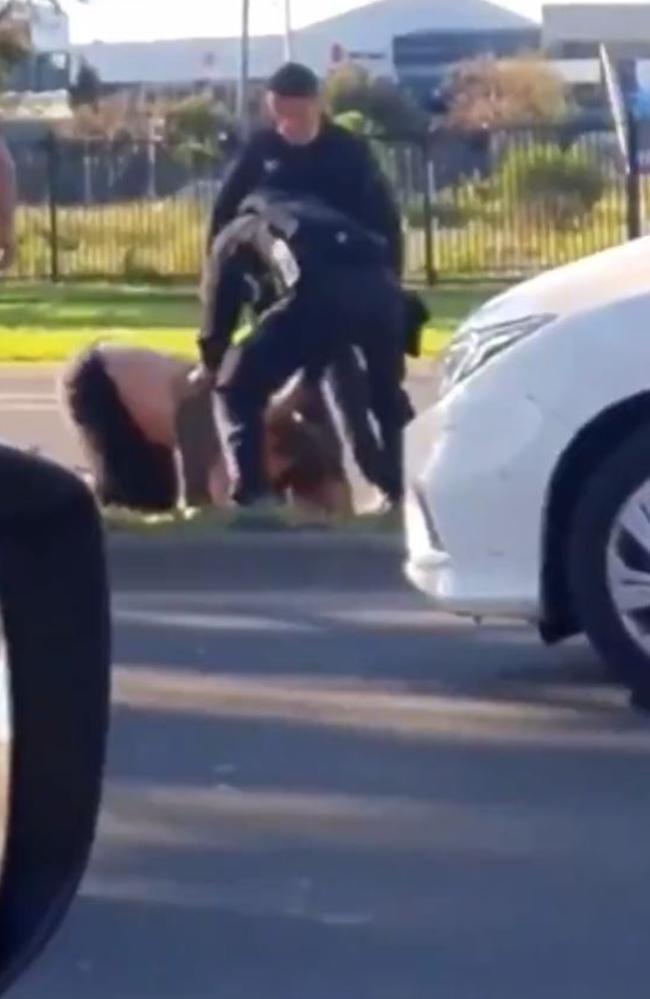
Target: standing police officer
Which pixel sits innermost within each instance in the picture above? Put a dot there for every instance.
(304, 153)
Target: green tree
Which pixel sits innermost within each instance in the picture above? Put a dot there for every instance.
(15, 30)
(87, 88)
(199, 126)
(550, 184)
(349, 88)
(15, 40)
(354, 121)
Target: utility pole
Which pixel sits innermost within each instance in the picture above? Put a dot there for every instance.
(288, 32)
(244, 68)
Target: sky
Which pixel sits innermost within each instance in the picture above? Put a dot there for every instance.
(122, 20)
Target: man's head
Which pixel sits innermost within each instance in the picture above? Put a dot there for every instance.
(303, 458)
(294, 103)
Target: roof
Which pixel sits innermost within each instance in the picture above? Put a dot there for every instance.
(369, 29)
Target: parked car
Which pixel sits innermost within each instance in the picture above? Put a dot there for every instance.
(528, 481)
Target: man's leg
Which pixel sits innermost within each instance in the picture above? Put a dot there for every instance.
(348, 379)
(388, 405)
(263, 363)
(383, 347)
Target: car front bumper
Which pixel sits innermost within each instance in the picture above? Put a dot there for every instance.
(478, 468)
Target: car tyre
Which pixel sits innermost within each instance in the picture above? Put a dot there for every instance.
(608, 563)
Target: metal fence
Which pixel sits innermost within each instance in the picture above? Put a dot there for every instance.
(512, 202)
(501, 203)
(128, 211)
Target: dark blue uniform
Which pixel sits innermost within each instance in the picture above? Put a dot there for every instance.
(337, 168)
(333, 290)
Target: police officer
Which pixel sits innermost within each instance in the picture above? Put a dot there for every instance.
(305, 153)
(333, 289)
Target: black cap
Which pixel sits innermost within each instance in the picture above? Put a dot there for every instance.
(294, 80)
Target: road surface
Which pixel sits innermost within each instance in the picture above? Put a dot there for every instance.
(317, 789)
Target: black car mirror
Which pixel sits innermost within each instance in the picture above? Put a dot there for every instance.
(54, 698)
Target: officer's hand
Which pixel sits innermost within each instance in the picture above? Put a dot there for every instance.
(201, 379)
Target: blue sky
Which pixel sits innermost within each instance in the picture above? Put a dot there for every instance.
(144, 19)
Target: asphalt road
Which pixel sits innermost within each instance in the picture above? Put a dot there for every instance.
(31, 415)
(318, 790)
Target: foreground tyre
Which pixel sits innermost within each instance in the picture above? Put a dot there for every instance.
(609, 561)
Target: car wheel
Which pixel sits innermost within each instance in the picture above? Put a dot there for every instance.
(609, 561)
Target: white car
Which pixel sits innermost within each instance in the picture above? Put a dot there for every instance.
(528, 481)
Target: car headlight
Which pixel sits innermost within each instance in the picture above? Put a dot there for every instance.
(474, 346)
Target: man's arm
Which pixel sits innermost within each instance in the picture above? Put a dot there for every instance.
(8, 200)
(223, 301)
(377, 206)
(240, 181)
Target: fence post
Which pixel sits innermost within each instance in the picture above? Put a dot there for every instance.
(52, 152)
(633, 184)
(429, 249)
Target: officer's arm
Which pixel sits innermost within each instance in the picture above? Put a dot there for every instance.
(224, 297)
(241, 180)
(377, 205)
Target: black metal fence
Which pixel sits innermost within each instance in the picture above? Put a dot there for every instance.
(500, 203)
(128, 211)
(512, 202)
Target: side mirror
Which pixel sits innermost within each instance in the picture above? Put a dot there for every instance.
(54, 680)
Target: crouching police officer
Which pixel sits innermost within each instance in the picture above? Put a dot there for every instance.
(330, 287)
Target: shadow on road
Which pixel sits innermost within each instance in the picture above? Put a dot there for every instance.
(333, 795)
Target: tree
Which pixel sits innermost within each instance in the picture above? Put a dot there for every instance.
(199, 126)
(349, 87)
(87, 88)
(354, 121)
(15, 40)
(488, 93)
(15, 30)
(546, 183)
(113, 118)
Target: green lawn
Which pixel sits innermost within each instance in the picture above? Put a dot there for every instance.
(42, 322)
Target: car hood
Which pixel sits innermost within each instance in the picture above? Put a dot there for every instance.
(618, 273)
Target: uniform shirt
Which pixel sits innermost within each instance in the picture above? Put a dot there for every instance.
(276, 246)
(337, 167)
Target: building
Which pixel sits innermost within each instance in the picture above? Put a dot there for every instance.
(48, 66)
(424, 59)
(572, 34)
(365, 34)
(575, 30)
